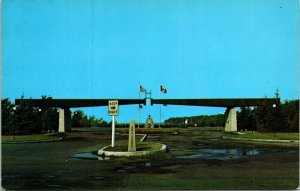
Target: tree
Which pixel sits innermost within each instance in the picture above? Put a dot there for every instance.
(49, 117)
(102, 122)
(245, 118)
(272, 118)
(294, 124)
(80, 119)
(6, 115)
(291, 110)
(279, 118)
(77, 117)
(202, 120)
(92, 121)
(26, 118)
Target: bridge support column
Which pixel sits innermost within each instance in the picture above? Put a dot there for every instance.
(231, 122)
(64, 120)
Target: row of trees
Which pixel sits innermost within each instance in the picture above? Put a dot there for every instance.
(284, 118)
(79, 119)
(200, 121)
(25, 118)
(29, 119)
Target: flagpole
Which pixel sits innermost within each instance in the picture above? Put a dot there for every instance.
(159, 111)
(139, 110)
(139, 106)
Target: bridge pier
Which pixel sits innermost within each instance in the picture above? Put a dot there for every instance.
(64, 124)
(231, 122)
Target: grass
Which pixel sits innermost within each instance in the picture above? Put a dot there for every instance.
(27, 138)
(265, 135)
(140, 146)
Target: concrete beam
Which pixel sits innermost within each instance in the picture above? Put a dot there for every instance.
(74, 103)
(235, 102)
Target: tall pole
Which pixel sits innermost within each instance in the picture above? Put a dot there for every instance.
(113, 132)
(14, 122)
(139, 109)
(159, 111)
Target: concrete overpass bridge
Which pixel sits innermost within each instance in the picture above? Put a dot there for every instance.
(230, 104)
(66, 104)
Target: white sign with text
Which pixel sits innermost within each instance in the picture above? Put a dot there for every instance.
(113, 107)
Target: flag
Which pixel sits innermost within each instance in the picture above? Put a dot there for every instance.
(142, 89)
(163, 89)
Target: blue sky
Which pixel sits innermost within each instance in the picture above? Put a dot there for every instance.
(106, 48)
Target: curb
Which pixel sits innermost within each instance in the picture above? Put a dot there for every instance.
(143, 138)
(261, 140)
(40, 141)
(101, 152)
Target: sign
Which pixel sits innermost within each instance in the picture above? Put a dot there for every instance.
(113, 107)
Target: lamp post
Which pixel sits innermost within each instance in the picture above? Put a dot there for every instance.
(14, 121)
(276, 116)
(252, 118)
(41, 118)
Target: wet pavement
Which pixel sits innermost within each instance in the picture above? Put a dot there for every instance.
(201, 153)
(71, 164)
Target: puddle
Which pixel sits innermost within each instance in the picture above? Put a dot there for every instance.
(10, 176)
(122, 170)
(88, 156)
(50, 176)
(53, 185)
(202, 153)
(99, 178)
(224, 154)
(221, 154)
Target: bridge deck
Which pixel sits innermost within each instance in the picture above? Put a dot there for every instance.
(238, 102)
(73, 103)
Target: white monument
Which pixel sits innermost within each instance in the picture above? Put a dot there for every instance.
(131, 138)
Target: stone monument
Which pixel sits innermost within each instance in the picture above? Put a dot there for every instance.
(149, 122)
(131, 138)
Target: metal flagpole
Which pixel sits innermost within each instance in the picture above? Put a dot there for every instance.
(139, 107)
(159, 110)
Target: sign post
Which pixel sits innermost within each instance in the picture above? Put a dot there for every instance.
(113, 110)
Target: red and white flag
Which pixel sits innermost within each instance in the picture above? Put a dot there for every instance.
(142, 89)
(163, 89)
